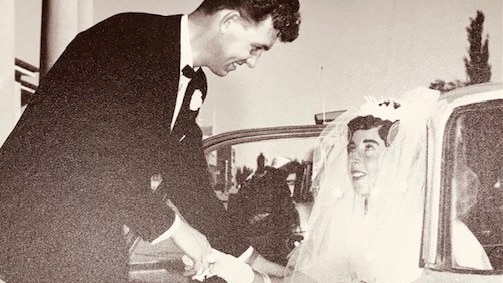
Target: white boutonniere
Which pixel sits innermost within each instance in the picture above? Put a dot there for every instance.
(196, 101)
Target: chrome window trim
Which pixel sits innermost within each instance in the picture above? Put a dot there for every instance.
(260, 134)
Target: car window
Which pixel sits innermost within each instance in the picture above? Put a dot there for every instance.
(265, 186)
(232, 165)
(477, 189)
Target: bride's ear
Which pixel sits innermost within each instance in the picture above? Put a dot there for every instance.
(393, 131)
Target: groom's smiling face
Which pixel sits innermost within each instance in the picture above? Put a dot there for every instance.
(240, 41)
(364, 151)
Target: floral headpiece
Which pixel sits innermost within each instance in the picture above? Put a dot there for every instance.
(385, 109)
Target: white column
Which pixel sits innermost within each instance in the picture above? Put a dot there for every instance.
(60, 23)
(86, 14)
(10, 103)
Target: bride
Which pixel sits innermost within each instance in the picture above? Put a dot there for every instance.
(369, 174)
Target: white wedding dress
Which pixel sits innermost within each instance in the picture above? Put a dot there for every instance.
(350, 241)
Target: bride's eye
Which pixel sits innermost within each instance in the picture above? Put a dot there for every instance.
(369, 150)
(351, 148)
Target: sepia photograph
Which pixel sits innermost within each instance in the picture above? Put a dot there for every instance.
(251, 141)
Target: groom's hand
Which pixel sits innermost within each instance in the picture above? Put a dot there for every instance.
(234, 270)
(194, 245)
(231, 269)
(225, 266)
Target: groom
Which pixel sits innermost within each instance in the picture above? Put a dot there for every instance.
(118, 107)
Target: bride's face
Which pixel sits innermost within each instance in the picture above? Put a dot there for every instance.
(364, 150)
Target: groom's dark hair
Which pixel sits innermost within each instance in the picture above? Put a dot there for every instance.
(285, 13)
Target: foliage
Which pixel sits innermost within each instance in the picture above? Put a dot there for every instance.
(443, 86)
(477, 67)
(242, 174)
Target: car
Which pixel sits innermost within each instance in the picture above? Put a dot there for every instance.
(464, 183)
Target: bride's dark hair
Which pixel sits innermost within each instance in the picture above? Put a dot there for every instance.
(369, 122)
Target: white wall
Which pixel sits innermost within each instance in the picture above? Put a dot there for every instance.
(8, 102)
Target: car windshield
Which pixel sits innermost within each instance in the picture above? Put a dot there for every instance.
(477, 188)
(231, 165)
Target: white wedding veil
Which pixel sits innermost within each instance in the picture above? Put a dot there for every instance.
(346, 243)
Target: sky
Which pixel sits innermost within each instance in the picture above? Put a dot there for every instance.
(347, 49)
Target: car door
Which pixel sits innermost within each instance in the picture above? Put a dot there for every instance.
(462, 232)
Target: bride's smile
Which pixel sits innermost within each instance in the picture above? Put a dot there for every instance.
(357, 174)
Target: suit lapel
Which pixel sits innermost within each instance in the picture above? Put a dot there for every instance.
(169, 66)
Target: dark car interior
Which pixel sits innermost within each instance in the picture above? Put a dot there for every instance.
(484, 155)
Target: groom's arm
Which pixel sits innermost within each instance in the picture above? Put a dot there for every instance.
(190, 191)
(186, 182)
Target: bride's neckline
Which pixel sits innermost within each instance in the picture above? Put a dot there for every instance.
(365, 205)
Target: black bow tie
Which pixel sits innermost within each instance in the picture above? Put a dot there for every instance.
(189, 72)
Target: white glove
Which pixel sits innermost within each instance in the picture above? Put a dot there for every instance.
(229, 268)
(201, 274)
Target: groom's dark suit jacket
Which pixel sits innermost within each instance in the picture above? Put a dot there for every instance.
(77, 166)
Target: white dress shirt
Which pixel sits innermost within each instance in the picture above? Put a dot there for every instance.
(185, 59)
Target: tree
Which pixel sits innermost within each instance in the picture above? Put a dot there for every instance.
(442, 86)
(242, 174)
(477, 67)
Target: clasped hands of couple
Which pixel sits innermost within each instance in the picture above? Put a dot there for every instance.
(219, 264)
(202, 261)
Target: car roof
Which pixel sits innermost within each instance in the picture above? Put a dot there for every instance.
(461, 92)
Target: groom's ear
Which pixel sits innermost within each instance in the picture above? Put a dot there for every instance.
(228, 20)
(393, 131)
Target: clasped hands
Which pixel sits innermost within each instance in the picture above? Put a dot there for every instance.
(225, 266)
(202, 261)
